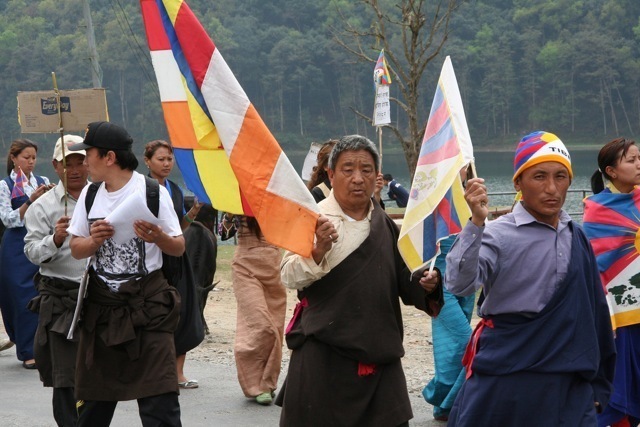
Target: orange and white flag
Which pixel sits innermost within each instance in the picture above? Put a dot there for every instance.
(274, 192)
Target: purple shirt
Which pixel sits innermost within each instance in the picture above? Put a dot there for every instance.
(519, 261)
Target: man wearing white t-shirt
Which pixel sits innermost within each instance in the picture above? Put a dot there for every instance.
(126, 348)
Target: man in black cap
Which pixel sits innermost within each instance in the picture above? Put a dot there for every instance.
(126, 348)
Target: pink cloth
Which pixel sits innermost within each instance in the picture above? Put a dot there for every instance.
(262, 303)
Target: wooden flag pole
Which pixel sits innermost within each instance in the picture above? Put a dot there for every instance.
(61, 129)
(472, 173)
(380, 145)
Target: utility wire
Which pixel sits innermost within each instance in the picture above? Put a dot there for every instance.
(142, 58)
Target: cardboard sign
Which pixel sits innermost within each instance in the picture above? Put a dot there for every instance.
(38, 111)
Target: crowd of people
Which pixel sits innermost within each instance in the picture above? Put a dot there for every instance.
(556, 340)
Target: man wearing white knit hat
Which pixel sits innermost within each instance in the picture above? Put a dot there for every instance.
(47, 245)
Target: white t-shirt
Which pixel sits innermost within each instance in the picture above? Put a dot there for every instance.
(116, 264)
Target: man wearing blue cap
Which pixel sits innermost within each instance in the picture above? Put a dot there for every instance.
(543, 352)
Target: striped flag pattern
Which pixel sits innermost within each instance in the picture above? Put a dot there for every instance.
(436, 207)
(612, 223)
(18, 186)
(199, 92)
(381, 75)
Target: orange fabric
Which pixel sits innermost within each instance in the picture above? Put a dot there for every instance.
(178, 120)
(254, 158)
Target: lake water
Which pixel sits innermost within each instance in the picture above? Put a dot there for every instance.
(497, 170)
(495, 167)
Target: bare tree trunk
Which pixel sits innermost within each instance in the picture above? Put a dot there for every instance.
(142, 109)
(123, 104)
(533, 95)
(494, 118)
(300, 108)
(624, 110)
(342, 116)
(423, 28)
(281, 108)
(614, 120)
(603, 108)
(573, 104)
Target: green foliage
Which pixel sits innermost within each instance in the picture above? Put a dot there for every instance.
(571, 67)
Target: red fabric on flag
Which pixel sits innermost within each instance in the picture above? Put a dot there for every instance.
(18, 186)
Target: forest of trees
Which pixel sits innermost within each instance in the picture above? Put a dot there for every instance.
(571, 67)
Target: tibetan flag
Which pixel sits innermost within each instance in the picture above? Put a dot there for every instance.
(219, 112)
(437, 208)
(381, 75)
(18, 186)
(612, 224)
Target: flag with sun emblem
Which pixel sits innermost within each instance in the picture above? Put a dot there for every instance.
(612, 224)
(437, 208)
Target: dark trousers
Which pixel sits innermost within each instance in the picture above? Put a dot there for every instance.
(64, 407)
(162, 410)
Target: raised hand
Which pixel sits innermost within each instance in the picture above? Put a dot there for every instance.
(476, 196)
(326, 236)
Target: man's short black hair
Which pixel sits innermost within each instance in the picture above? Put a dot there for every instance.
(124, 158)
(387, 177)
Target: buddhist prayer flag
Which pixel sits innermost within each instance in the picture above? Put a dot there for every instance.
(612, 224)
(437, 208)
(18, 186)
(223, 148)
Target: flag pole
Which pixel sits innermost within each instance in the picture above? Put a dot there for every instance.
(61, 129)
(380, 145)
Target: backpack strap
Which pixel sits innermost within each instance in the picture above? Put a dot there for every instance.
(91, 195)
(152, 190)
(153, 195)
(177, 197)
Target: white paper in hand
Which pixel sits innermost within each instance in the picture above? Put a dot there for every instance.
(121, 218)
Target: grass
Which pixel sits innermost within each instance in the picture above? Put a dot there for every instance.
(223, 262)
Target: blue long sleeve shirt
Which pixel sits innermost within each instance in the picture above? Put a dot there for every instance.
(517, 260)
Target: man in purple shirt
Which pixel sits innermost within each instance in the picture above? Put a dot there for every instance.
(543, 352)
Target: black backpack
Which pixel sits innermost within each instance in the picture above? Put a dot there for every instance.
(190, 330)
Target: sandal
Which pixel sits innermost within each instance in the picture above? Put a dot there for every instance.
(189, 384)
(264, 398)
(6, 344)
(31, 365)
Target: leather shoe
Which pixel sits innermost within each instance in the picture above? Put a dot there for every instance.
(31, 365)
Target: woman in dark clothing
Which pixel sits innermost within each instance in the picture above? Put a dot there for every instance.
(158, 156)
(17, 191)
